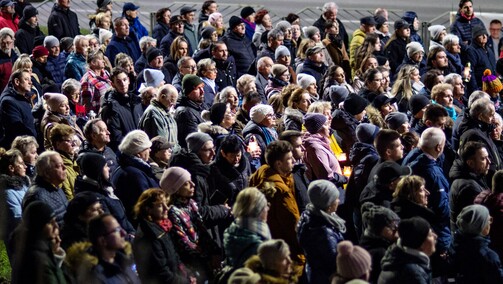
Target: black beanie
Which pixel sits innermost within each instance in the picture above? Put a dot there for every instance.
(417, 103)
(29, 11)
(152, 53)
(247, 11)
(79, 204)
(413, 232)
(91, 165)
(217, 113)
(376, 217)
(355, 104)
(36, 215)
(234, 21)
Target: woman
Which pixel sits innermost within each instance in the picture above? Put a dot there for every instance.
(95, 82)
(261, 126)
(192, 241)
(95, 178)
(411, 199)
(370, 46)
(154, 251)
(272, 262)
(179, 48)
(395, 48)
(249, 229)
(161, 28)
(346, 120)
(245, 84)
(28, 146)
(229, 95)
(360, 82)
(335, 76)
(71, 89)
(474, 261)
(326, 109)
(263, 23)
(220, 122)
(207, 71)
(403, 88)
(308, 83)
(442, 95)
(279, 78)
(217, 21)
(298, 105)
(320, 230)
(134, 175)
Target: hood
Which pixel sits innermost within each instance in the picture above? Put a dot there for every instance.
(342, 119)
(294, 114)
(211, 129)
(396, 258)
(190, 162)
(360, 151)
(81, 258)
(375, 117)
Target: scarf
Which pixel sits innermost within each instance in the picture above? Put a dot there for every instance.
(165, 225)
(269, 134)
(210, 83)
(255, 225)
(332, 218)
(469, 18)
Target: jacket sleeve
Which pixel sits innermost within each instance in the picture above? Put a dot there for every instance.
(12, 119)
(114, 126)
(186, 124)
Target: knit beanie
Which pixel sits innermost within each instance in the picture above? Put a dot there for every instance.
(247, 11)
(314, 122)
(29, 11)
(234, 21)
(173, 178)
(310, 31)
(490, 83)
(54, 100)
(206, 32)
(91, 165)
(414, 47)
(306, 80)
(281, 51)
(135, 142)
(153, 53)
(435, 31)
(478, 30)
(473, 219)
(39, 51)
(417, 103)
(283, 25)
(271, 251)
(217, 113)
(102, 3)
(380, 20)
(352, 261)
(278, 70)
(395, 119)
(338, 94)
(66, 43)
(409, 16)
(160, 143)
(413, 232)
(190, 82)
(153, 77)
(366, 133)
(51, 41)
(322, 193)
(36, 215)
(355, 104)
(259, 112)
(196, 140)
(80, 203)
(244, 275)
(376, 218)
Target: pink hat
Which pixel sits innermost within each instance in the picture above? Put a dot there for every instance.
(173, 178)
(54, 100)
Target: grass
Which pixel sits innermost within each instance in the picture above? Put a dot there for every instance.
(46, 32)
(5, 269)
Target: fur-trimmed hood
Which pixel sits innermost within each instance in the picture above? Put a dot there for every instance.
(211, 129)
(294, 114)
(375, 117)
(14, 182)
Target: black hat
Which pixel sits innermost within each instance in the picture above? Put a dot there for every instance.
(413, 232)
(79, 204)
(376, 217)
(66, 43)
(36, 215)
(175, 19)
(478, 31)
(29, 11)
(380, 20)
(355, 104)
(369, 20)
(381, 100)
(91, 165)
(217, 113)
(102, 3)
(400, 24)
(160, 143)
(314, 49)
(417, 103)
(152, 53)
(234, 21)
(389, 171)
(187, 9)
(247, 11)
(207, 32)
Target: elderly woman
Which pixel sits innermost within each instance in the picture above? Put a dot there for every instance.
(27, 145)
(245, 84)
(272, 262)
(207, 71)
(71, 89)
(263, 23)
(134, 175)
(474, 261)
(279, 78)
(260, 127)
(95, 82)
(158, 120)
(308, 83)
(298, 105)
(249, 228)
(154, 251)
(442, 95)
(453, 50)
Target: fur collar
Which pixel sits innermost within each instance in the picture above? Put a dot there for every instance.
(14, 182)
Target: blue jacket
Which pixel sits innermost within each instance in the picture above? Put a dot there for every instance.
(160, 30)
(462, 27)
(56, 66)
(42, 190)
(75, 66)
(14, 189)
(16, 118)
(135, 26)
(128, 45)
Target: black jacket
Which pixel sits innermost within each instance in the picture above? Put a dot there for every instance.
(25, 37)
(395, 52)
(406, 209)
(16, 118)
(243, 51)
(376, 246)
(226, 73)
(63, 22)
(400, 267)
(363, 157)
(301, 184)
(188, 117)
(345, 125)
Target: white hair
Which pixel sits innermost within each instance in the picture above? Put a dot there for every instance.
(431, 137)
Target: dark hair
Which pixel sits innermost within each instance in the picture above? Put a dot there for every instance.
(462, 2)
(17, 74)
(90, 128)
(289, 135)
(497, 182)
(276, 151)
(470, 149)
(409, 140)
(495, 21)
(291, 17)
(384, 140)
(159, 14)
(433, 112)
(432, 54)
(251, 96)
(96, 228)
(370, 74)
(116, 71)
(8, 158)
(231, 144)
(260, 15)
(60, 131)
(429, 78)
(213, 46)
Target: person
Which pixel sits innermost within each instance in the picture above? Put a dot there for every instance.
(320, 230)
(38, 256)
(329, 13)
(367, 26)
(314, 64)
(264, 70)
(190, 29)
(464, 23)
(274, 40)
(28, 146)
(346, 119)
(481, 57)
(494, 41)
(76, 62)
(207, 71)
(248, 17)
(177, 28)
(249, 228)
(97, 137)
(395, 48)
(95, 82)
(225, 65)
(154, 251)
(263, 23)
(209, 7)
(7, 56)
(353, 264)
(161, 28)
(123, 42)
(278, 80)
(411, 199)
(474, 261)
(28, 30)
(298, 104)
(408, 261)
(130, 12)
(56, 60)
(62, 21)
(250, 100)
(239, 46)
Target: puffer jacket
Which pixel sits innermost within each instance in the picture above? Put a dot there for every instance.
(75, 66)
(188, 117)
(363, 157)
(293, 119)
(25, 37)
(63, 22)
(158, 121)
(481, 58)
(42, 190)
(13, 189)
(311, 68)
(243, 51)
(400, 266)
(462, 27)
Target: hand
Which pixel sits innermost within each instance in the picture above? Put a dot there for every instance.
(193, 280)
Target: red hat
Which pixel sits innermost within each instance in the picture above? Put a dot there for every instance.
(39, 51)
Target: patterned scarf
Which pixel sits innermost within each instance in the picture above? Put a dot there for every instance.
(255, 225)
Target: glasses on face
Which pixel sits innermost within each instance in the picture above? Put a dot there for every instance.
(192, 67)
(115, 230)
(70, 141)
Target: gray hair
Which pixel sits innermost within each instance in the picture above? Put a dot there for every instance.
(451, 78)
(480, 106)
(78, 39)
(329, 6)
(146, 39)
(224, 94)
(243, 81)
(43, 164)
(182, 60)
(450, 39)
(477, 95)
(205, 64)
(90, 128)
(92, 36)
(70, 85)
(6, 32)
(498, 117)
(275, 33)
(21, 143)
(431, 137)
(261, 61)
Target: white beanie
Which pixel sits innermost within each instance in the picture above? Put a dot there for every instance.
(260, 111)
(135, 142)
(435, 31)
(153, 77)
(54, 100)
(413, 48)
(306, 80)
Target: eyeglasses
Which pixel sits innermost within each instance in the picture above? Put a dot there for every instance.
(116, 230)
(70, 141)
(190, 67)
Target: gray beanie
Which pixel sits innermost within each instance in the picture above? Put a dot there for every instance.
(135, 142)
(310, 31)
(278, 70)
(376, 217)
(322, 193)
(283, 25)
(196, 140)
(366, 133)
(396, 119)
(51, 41)
(338, 94)
(153, 77)
(271, 251)
(306, 80)
(314, 122)
(413, 48)
(281, 51)
(473, 219)
(435, 31)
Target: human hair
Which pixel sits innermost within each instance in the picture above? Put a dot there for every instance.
(119, 20)
(409, 140)
(409, 188)
(274, 34)
(276, 150)
(146, 201)
(363, 68)
(96, 228)
(174, 49)
(365, 50)
(380, 12)
(403, 83)
(431, 137)
(470, 149)
(22, 143)
(276, 101)
(497, 182)
(450, 40)
(440, 89)
(432, 54)
(434, 112)
(394, 37)
(296, 97)
(303, 46)
(243, 81)
(370, 75)
(43, 164)
(477, 95)
(480, 106)
(329, 75)
(291, 17)
(329, 6)
(250, 202)
(144, 41)
(78, 39)
(251, 97)
(319, 107)
(90, 128)
(290, 135)
(231, 144)
(451, 78)
(69, 86)
(160, 13)
(183, 60)
(100, 17)
(260, 15)
(203, 65)
(116, 71)
(206, 5)
(495, 21)
(4, 32)
(17, 74)
(223, 96)
(8, 158)
(59, 132)
(93, 55)
(22, 62)
(384, 141)
(286, 92)
(462, 2)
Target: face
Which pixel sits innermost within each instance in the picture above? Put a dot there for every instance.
(361, 115)
(114, 238)
(232, 158)
(274, 43)
(63, 108)
(422, 196)
(495, 30)
(103, 135)
(64, 3)
(66, 145)
(23, 84)
(229, 119)
(92, 211)
(390, 232)
(384, 28)
(144, 155)
(305, 102)
(157, 62)
(105, 23)
(178, 27)
(284, 59)
(298, 148)
(187, 189)
(480, 162)
(183, 49)
(395, 151)
(268, 121)
(197, 95)
(369, 29)
(371, 63)
(428, 246)
(57, 172)
(414, 76)
(285, 77)
(158, 211)
(459, 88)
(210, 73)
(233, 100)
(122, 29)
(375, 84)
(467, 8)
(334, 29)
(386, 109)
(168, 100)
(18, 168)
(417, 57)
(331, 14)
(207, 152)
(51, 229)
(189, 67)
(132, 13)
(295, 31)
(121, 83)
(496, 133)
(487, 116)
(240, 29)
(220, 52)
(33, 21)
(266, 68)
(317, 57)
(285, 165)
(98, 63)
(166, 17)
(106, 172)
(404, 32)
(441, 60)
(266, 21)
(481, 40)
(94, 44)
(416, 23)
(31, 155)
(284, 265)
(54, 51)
(440, 123)
(445, 98)
(316, 37)
(339, 76)
(212, 8)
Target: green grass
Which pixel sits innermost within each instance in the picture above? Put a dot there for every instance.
(5, 269)
(46, 32)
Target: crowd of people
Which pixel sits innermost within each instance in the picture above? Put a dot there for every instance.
(249, 151)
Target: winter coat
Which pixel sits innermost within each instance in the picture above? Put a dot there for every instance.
(75, 66)
(481, 58)
(242, 241)
(160, 30)
(94, 88)
(395, 52)
(108, 153)
(130, 179)
(74, 230)
(167, 41)
(16, 118)
(188, 117)
(377, 193)
(320, 24)
(243, 51)
(42, 190)
(128, 45)
(356, 41)
(466, 185)
(312, 68)
(253, 129)
(226, 73)
(190, 32)
(293, 119)
(56, 66)
(494, 202)
(318, 237)
(345, 125)
(63, 22)
(474, 261)
(72, 171)
(403, 265)
(406, 209)
(13, 190)
(155, 256)
(6, 63)
(363, 157)
(462, 27)
(301, 183)
(136, 26)
(52, 119)
(158, 121)
(25, 37)
(376, 247)
(320, 160)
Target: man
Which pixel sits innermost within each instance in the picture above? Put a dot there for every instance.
(146, 43)
(122, 110)
(16, 118)
(190, 30)
(97, 137)
(76, 62)
(314, 64)
(56, 61)
(240, 47)
(7, 55)
(389, 147)
(437, 59)
(329, 13)
(264, 70)
(274, 40)
(250, 100)
(468, 178)
(283, 213)
(51, 173)
(39, 57)
(464, 23)
(188, 111)
(8, 18)
(28, 30)
(62, 21)
(494, 40)
(299, 169)
(453, 51)
(122, 42)
(367, 26)
(248, 18)
(186, 65)
(155, 61)
(480, 56)
(176, 29)
(225, 64)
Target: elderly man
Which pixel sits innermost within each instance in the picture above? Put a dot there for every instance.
(56, 60)
(264, 70)
(146, 43)
(97, 137)
(62, 21)
(51, 173)
(76, 62)
(8, 18)
(188, 111)
(274, 40)
(240, 47)
(329, 13)
(122, 42)
(7, 56)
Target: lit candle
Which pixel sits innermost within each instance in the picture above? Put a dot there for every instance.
(346, 171)
(341, 157)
